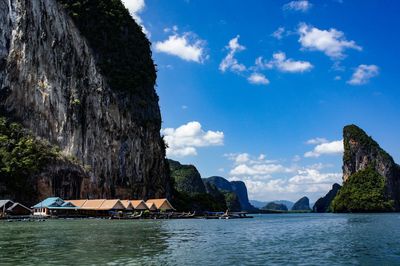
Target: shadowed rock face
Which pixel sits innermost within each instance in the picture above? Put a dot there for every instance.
(323, 204)
(361, 152)
(237, 187)
(52, 82)
(302, 204)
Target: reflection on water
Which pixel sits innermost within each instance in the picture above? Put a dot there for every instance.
(278, 239)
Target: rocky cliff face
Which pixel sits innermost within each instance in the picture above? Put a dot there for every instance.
(236, 187)
(239, 187)
(57, 81)
(362, 152)
(323, 204)
(302, 204)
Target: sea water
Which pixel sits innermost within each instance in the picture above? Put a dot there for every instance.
(269, 239)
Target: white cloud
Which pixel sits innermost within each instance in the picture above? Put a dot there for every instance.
(278, 34)
(329, 148)
(242, 158)
(186, 46)
(135, 7)
(244, 164)
(184, 140)
(272, 180)
(280, 62)
(316, 141)
(300, 5)
(258, 169)
(311, 176)
(173, 29)
(363, 74)
(305, 182)
(258, 78)
(331, 42)
(230, 62)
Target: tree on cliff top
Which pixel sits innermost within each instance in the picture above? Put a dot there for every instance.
(364, 191)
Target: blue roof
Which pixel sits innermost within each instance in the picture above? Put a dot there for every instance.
(50, 202)
(67, 204)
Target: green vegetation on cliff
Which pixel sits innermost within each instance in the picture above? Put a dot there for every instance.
(117, 41)
(21, 157)
(232, 201)
(364, 191)
(186, 178)
(189, 191)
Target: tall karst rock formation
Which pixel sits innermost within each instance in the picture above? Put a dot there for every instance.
(79, 74)
(371, 178)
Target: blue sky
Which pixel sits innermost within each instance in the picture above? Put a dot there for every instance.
(259, 91)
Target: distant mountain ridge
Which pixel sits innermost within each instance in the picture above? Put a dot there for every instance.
(275, 207)
(261, 204)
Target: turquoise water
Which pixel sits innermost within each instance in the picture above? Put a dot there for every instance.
(277, 239)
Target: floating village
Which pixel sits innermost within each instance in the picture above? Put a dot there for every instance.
(57, 208)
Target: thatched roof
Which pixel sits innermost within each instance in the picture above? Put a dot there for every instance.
(151, 206)
(114, 204)
(127, 204)
(161, 204)
(77, 203)
(139, 205)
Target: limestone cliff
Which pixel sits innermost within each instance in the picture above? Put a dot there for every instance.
(79, 74)
(239, 187)
(302, 204)
(236, 187)
(186, 178)
(361, 152)
(369, 173)
(323, 204)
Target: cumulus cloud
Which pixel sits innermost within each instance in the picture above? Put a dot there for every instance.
(300, 5)
(257, 169)
(283, 64)
(242, 158)
(135, 7)
(184, 140)
(230, 62)
(245, 164)
(328, 148)
(331, 42)
(363, 74)
(258, 78)
(278, 34)
(186, 46)
(310, 176)
(316, 141)
(271, 180)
